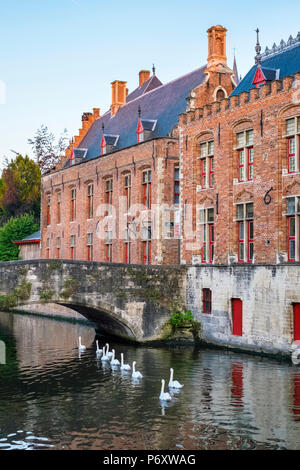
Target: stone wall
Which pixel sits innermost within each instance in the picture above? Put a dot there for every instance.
(268, 294)
(132, 302)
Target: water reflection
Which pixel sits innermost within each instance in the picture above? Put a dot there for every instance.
(50, 395)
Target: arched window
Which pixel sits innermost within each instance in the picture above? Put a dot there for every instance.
(220, 95)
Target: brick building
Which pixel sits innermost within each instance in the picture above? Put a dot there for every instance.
(240, 166)
(201, 170)
(115, 196)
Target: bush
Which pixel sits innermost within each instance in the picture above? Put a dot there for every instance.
(15, 229)
(181, 319)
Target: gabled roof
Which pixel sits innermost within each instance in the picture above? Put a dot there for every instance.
(287, 61)
(34, 238)
(150, 84)
(163, 104)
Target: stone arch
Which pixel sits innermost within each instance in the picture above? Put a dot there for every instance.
(107, 322)
(216, 91)
(243, 196)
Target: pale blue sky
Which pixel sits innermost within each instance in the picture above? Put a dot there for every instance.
(59, 57)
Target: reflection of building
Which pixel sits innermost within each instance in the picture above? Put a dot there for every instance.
(30, 246)
(102, 203)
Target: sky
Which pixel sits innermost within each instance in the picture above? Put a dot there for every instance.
(59, 57)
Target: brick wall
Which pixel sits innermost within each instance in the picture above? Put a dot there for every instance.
(264, 111)
(161, 157)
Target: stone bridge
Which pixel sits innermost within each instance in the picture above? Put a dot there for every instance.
(131, 302)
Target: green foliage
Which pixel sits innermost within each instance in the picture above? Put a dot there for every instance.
(20, 294)
(47, 149)
(23, 290)
(180, 319)
(8, 301)
(70, 286)
(20, 188)
(15, 229)
(46, 295)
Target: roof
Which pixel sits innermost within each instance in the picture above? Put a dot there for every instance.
(158, 102)
(34, 238)
(284, 62)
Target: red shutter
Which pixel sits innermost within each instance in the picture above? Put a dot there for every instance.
(237, 317)
(296, 322)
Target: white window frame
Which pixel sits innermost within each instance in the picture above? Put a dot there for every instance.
(209, 157)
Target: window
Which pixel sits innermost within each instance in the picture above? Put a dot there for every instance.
(89, 244)
(292, 133)
(127, 247)
(58, 207)
(90, 208)
(108, 196)
(103, 145)
(58, 245)
(48, 248)
(146, 244)
(208, 235)
(127, 190)
(48, 209)
(73, 204)
(140, 137)
(220, 95)
(293, 214)
(108, 246)
(176, 185)
(147, 189)
(206, 295)
(72, 246)
(207, 164)
(140, 132)
(244, 145)
(245, 215)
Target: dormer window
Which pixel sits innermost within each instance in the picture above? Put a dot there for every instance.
(103, 145)
(140, 132)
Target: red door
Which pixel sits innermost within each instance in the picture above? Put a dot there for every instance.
(237, 317)
(296, 322)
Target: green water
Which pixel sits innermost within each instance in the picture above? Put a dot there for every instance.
(53, 398)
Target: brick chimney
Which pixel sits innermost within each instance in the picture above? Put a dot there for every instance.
(118, 96)
(144, 75)
(216, 45)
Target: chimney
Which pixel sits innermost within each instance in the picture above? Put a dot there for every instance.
(144, 75)
(96, 112)
(216, 45)
(118, 96)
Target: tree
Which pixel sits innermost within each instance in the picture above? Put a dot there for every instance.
(20, 188)
(15, 229)
(48, 152)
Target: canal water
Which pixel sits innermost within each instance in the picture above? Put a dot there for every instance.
(53, 398)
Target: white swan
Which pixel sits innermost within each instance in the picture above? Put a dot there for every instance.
(104, 356)
(108, 352)
(114, 362)
(174, 383)
(136, 374)
(81, 347)
(99, 351)
(164, 396)
(124, 366)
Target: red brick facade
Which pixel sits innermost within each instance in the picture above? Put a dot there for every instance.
(238, 162)
(88, 214)
(264, 230)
